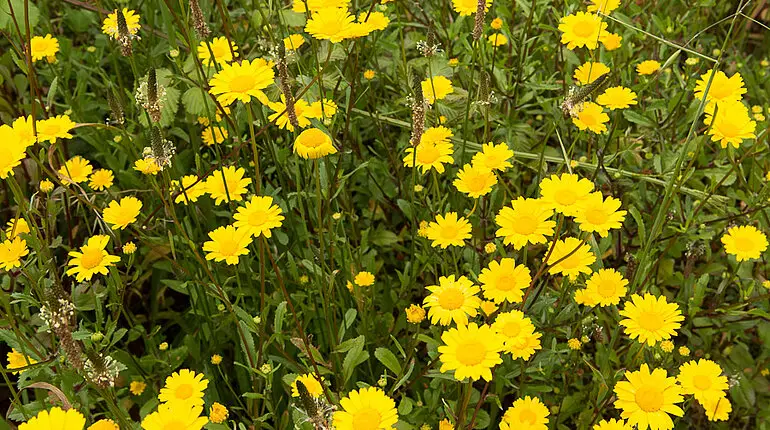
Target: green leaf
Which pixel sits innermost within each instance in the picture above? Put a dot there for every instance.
(195, 101)
(640, 119)
(6, 21)
(52, 91)
(388, 359)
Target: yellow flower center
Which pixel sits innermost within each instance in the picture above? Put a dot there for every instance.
(451, 299)
(701, 382)
(744, 243)
(649, 399)
(596, 216)
(504, 282)
(565, 196)
(366, 419)
(512, 329)
(242, 83)
(650, 321)
(589, 118)
(527, 416)
(471, 353)
(257, 218)
(174, 425)
(606, 289)
(449, 232)
(227, 246)
(184, 391)
(51, 128)
(220, 50)
(427, 154)
(584, 28)
(571, 262)
(313, 138)
(91, 258)
(476, 182)
(526, 224)
(729, 129)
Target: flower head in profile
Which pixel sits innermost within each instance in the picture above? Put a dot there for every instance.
(647, 67)
(11, 252)
(322, 109)
(189, 189)
(227, 244)
(44, 47)
(16, 227)
(493, 157)
(110, 24)
(475, 180)
(722, 88)
(313, 144)
(367, 408)
(310, 382)
(91, 259)
(518, 332)
(222, 49)
(468, 7)
(605, 288)
(177, 416)
(242, 81)
(647, 398)
(55, 419)
(611, 41)
(717, 408)
(17, 360)
(650, 319)
(11, 152)
(23, 132)
(617, 98)
(525, 221)
(105, 424)
(218, 413)
(612, 424)
(184, 386)
(372, 21)
(582, 29)
(293, 42)
(525, 414)
(415, 314)
(570, 257)
(448, 230)
(603, 6)
(591, 117)
(227, 184)
(316, 5)
(121, 214)
(744, 242)
(147, 166)
(213, 135)
(730, 123)
(452, 300)
(589, 72)
(281, 115)
(504, 281)
(436, 88)
(497, 39)
(332, 24)
(471, 351)
(600, 215)
(55, 127)
(101, 179)
(703, 379)
(564, 192)
(259, 216)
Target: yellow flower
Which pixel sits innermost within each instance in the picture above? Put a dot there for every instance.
(185, 387)
(574, 344)
(293, 42)
(110, 24)
(148, 166)
(259, 216)
(189, 190)
(471, 351)
(526, 221)
(16, 227)
(242, 81)
(565, 192)
(684, 351)
(612, 424)
(57, 127)
(647, 398)
(730, 124)
(518, 333)
(650, 319)
(617, 98)
(599, 215)
(496, 24)
(611, 41)
(448, 230)
(493, 157)
(218, 413)
(129, 248)
(436, 88)
(137, 387)
(46, 186)
(216, 359)
(488, 307)
(316, 5)
(44, 47)
(364, 279)
(101, 179)
(591, 117)
(11, 152)
(227, 184)
(373, 21)
(76, 169)
(603, 6)
(104, 425)
(369, 74)
(415, 314)
(445, 424)
(364, 409)
(17, 360)
(91, 259)
(23, 132)
(453, 62)
(177, 416)
(490, 248)
(667, 346)
(163, 346)
(525, 414)
(332, 24)
(313, 143)
(605, 288)
(55, 419)
(227, 244)
(281, 116)
(590, 72)
(452, 300)
(220, 46)
(703, 379)
(468, 7)
(311, 383)
(213, 135)
(121, 214)
(430, 155)
(321, 109)
(647, 67)
(722, 89)
(475, 180)
(717, 408)
(582, 29)
(497, 39)
(744, 242)
(504, 281)
(576, 258)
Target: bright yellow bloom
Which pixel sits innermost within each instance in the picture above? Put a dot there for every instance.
(525, 221)
(717, 408)
(177, 416)
(493, 157)
(366, 409)
(667, 346)
(582, 29)
(227, 185)
(518, 333)
(104, 425)
(415, 314)
(55, 419)
(730, 124)
(16, 227)
(110, 24)
(526, 414)
(490, 248)
(44, 47)
(11, 152)
(227, 244)
(574, 344)
(445, 424)
(599, 215)
(129, 248)
(475, 180)
(589, 72)
(448, 230)
(373, 21)
(281, 116)
(214, 135)
(101, 179)
(148, 166)
(220, 46)
(17, 360)
(332, 24)
(313, 143)
(369, 74)
(497, 39)
(650, 319)
(316, 5)
(452, 300)
(504, 281)
(46, 186)
(259, 216)
(24, 132)
(91, 259)
(321, 109)
(364, 279)
(218, 413)
(647, 398)
(612, 424)
(293, 42)
(436, 88)
(745, 242)
(184, 386)
(121, 214)
(496, 24)
(137, 387)
(189, 190)
(76, 169)
(488, 307)
(565, 192)
(647, 67)
(242, 81)
(430, 155)
(56, 127)
(605, 288)
(617, 98)
(468, 7)
(311, 383)
(684, 351)
(576, 258)
(603, 6)
(592, 117)
(722, 89)
(703, 379)
(611, 41)
(471, 351)
(216, 359)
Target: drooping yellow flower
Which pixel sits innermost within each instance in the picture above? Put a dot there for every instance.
(525, 414)
(573, 256)
(364, 409)
(184, 386)
(564, 192)
(599, 215)
(177, 416)
(589, 72)
(612, 424)
(744, 242)
(617, 98)
(493, 157)
(91, 259)
(717, 408)
(582, 29)
(213, 135)
(316, 5)
(471, 351)
(452, 300)
(468, 7)
(332, 24)
(242, 81)
(293, 42)
(525, 221)
(415, 314)
(137, 387)
(101, 179)
(505, 281)
(147, 166)
(730, 124)
(56, 127)
(650, 319)
(105, 424)
(228, 184)
(313, 143)
(430, 155)
(55, 419)
(221, 48)
(647, 67)
(44, 47)
(218, 413)
(703, 379)
(611, 41)
(591, 116)
(497, 39)
(448, 230)
(436, 88)
(121, 214)
(605, 288)
(259, 216)
(16, 227)
(364, 279)
(76, 169)
(310, 382)
(227, 244)
(189, 190)
(518, 333)
(603, 6)
(129, 248)
(110, 25)
(647, 398)
(475, 180)
(722, 89)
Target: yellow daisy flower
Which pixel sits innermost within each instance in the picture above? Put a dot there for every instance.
(313, 144)
(493, 157)
(722, 89)
(17, 360)
(110, 24)
(104, 424)
(731, 124)
(148, 166)
(570, 257)
(367, 408)
(504, 281)
(612, 424)
(189, 190)
(176, 415)
(184, 386)
(91, 259)
(582, 29)
(415, 314)
(497, 39)
(24, 132)
(129, 248)
(603, 6)
(76, 169)
(242, 81)
(137, 387)
(611, 41)
(332, 24)
(281, 116)
(468, 7)
(316, 5)
(16, 227)
(12, 153)
(101, 179)
(475, 180)
(373, 21)
(220, 46)
(227, 185)
(471, 351)
(293, 42)
(213, 135)
(496, 24)
(605, 288)
(488, 307)
(452, 300)
(218, 413)
(56, 127)
(369, 74)
(364, 279)
(518, 333)
(647, 67)
(599, 215)
(745, 242)
(227, 244)
(574, 344)
(315, 109)
(591, 116)
(617, 98)
(448, 230)
(565, 192)
(717, 408)
(259, 216)
(650, 319)
(430, 155)
(703, 379)
(525, 221)
(55, 419)
(436, 88)
(647, 398)
(121, 214)
(310, 382)
(525, 414)
(44, 47)
(589, 72)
